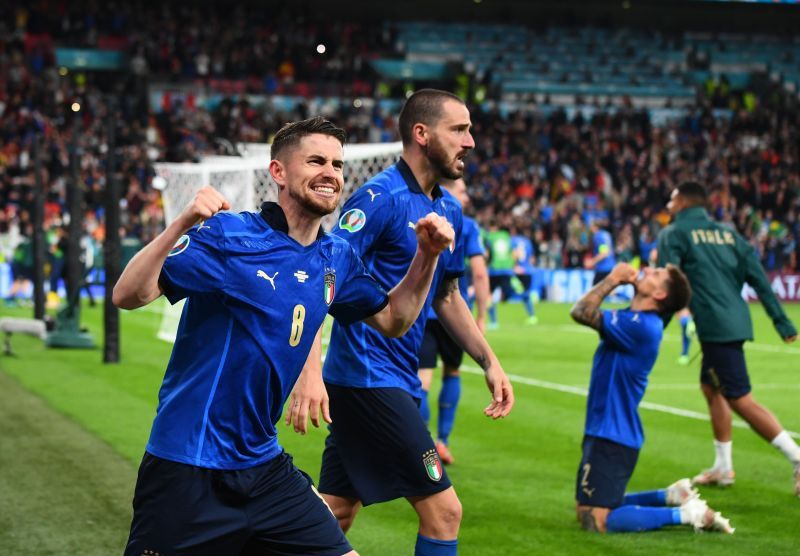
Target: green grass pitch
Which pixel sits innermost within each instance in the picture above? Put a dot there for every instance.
(73, 431)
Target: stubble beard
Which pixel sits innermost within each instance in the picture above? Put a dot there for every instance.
(438, 158)
(315, 206)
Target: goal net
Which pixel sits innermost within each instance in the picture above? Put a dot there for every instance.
(245, 182)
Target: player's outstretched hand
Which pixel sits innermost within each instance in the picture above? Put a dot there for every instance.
(309, 396)
(206, 203)
(502, 393)
(434, 233)
(624, 273)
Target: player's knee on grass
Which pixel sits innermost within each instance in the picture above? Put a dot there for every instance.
(592, 518)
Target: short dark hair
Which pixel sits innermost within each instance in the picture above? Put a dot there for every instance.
(679, 292)
(424, 106)
(289, 135)
(693, 192)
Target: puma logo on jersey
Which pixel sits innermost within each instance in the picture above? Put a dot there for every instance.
(202, 226)
(268, 278)
(372, 195)
(411, 225)
(588, 491)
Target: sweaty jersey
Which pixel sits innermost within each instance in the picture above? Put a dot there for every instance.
(602, 243)
(378, 221)
(523, 252)
(718, 262)
(622, 363)
(501, 256)
(255, 299)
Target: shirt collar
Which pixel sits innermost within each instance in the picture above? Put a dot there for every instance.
(411, 181)
(692, 213)
(273, 215)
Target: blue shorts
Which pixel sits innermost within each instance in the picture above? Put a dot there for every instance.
(606, 467)
(378, 447)
(436, 341)
(269, 509)
(724, 369)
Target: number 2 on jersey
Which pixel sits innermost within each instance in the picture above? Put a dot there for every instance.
(298, 316)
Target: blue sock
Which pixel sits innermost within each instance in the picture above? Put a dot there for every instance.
(686, 341)
(493, 314)
(529, 305)
(435, 547)
(626, 519)
(647, 498)
(424, 409)
(448, 403)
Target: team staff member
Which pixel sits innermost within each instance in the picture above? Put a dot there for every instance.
(718, 262)
(214, 479)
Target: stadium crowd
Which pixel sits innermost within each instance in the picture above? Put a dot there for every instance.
(546, 175)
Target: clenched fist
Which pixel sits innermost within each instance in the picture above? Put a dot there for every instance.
(624, 273)
(205, 204)
(434, 234)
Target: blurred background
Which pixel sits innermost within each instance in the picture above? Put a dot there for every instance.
(581, 110)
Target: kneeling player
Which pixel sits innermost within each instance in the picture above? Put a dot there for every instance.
(629, 342)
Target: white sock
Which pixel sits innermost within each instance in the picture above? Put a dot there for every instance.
(788, 446)
(724, 458)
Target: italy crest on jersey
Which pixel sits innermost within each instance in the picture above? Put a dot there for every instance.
(330, 287)
(353, 220)
(433, 465)
(180, 246)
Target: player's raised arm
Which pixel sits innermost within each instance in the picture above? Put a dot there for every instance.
(587, 309)
(455, 316)
(138, 284)
(434, 235)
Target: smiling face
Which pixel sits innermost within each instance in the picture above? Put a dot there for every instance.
(311, 174)
(449, 140)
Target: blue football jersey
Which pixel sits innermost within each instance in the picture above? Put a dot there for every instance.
(602, 243)
(378, 221)
(473, 245)
(622, 363)
(255, 299)
(523, 251)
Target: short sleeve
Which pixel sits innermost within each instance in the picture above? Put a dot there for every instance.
(364, 218)
(455, 265)
(472, 242)
(358, 295)
(625, 330)
(196, 264)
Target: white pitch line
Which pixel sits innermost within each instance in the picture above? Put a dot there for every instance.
(580, 391)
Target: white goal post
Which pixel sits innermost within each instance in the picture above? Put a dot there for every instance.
(245, 182)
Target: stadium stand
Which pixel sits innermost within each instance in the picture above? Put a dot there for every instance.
(572, 122)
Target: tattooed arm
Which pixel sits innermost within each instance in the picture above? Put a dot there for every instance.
(587, 309)
(455, 317)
